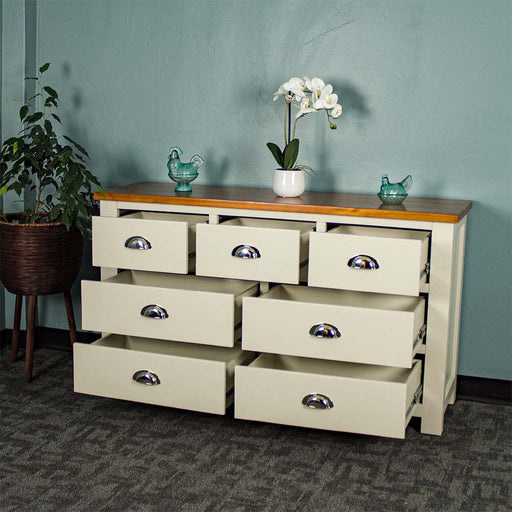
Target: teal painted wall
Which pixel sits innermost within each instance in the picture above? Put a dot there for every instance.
(425, 87)
(13, 22)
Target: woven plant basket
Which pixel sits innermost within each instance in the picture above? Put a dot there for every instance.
(38, 259)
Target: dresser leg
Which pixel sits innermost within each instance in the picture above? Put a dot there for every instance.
(71, 316)
(440, 374)
(16, 328)
(31, 327)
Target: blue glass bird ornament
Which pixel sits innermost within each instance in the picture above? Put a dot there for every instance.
(183, 172)
(394, 193)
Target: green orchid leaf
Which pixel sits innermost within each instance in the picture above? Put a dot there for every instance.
(277, 153)
(307, 169)
(291, 152)
(44, 67)
(3, 190)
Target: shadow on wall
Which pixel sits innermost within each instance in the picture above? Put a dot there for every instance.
(355, 107)
(216, 168)
(121, 169)
(76, 96)
(353, 100)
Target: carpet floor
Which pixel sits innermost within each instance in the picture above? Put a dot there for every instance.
(61, 451)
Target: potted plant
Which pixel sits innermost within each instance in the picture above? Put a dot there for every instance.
(41, 247)
(307, 96)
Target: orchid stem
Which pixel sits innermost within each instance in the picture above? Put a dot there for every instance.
(289, 120)
(284, 127)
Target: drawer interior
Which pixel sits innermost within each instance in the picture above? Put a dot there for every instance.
(343, 298)
(182, 282)
(229, 356)
(170, 348)
(248, 222)
(174, 217)
(333, 368)
(403, 234)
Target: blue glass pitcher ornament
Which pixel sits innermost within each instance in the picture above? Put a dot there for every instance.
(394, 193)
(183, 172)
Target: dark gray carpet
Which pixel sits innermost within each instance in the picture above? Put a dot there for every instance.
(61, 451)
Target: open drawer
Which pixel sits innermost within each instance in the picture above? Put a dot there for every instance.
(335, 324)
(347, 397)
(157, 372)
(145, 241)
(369, 259)
(164, 306)
(256, 249)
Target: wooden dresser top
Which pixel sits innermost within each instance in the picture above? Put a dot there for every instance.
(328, 203)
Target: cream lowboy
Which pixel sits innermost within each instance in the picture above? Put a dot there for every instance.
(354, 308)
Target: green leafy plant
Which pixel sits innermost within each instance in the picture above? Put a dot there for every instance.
(51, 166)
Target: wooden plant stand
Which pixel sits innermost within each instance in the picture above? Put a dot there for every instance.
(31, 325)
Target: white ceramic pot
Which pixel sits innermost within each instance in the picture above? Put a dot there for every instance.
(288, 182)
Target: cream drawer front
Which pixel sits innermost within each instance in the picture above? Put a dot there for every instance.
(173, 307)
(256, 249)
(157, 372)
(343, 257)
(338, 325)
(374, 400)
(145, 241)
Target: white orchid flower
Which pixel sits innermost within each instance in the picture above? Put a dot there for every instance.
(296, 86)
(316, 87)
(336, 111)
(305, 107)
(304, 111)
(320, 97)
(331, 101)
(305, 102)
(308, 96)
(280, 92)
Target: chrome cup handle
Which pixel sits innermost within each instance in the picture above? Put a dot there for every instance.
(363, 262)
(317, 401)
(245, 252)
(154, 311)
(146, 377)
(324, 330)
(138, 243)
